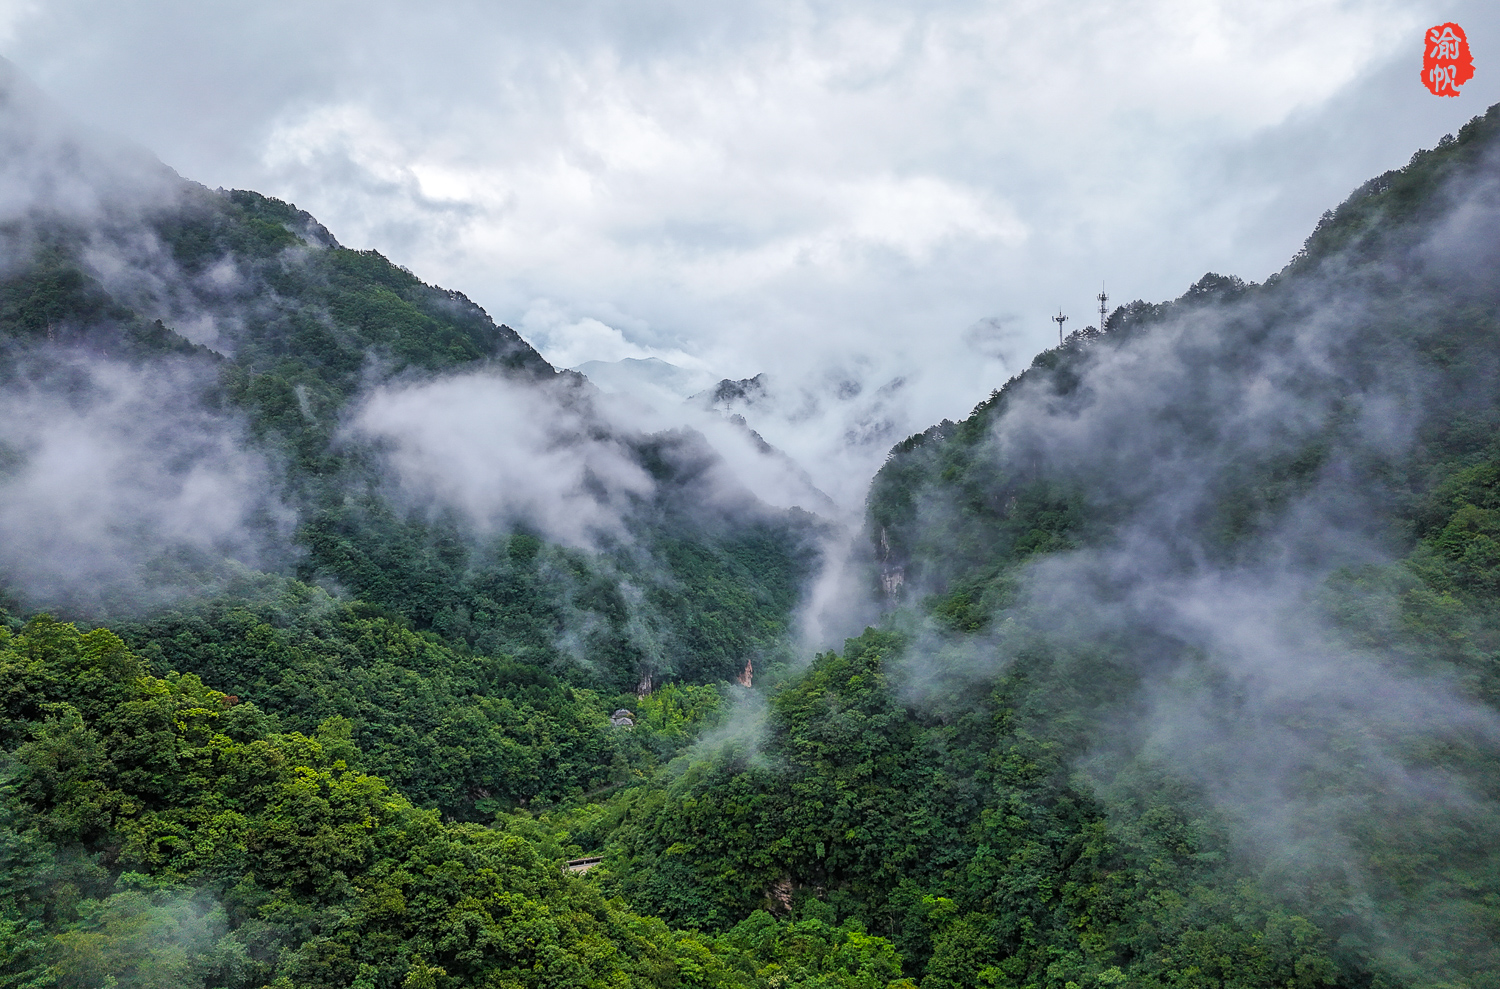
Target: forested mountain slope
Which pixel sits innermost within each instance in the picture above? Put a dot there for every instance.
(156, 832)
(1191, 670)
(260, 397)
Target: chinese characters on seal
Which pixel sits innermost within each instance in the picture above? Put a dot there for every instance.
(1446, 61)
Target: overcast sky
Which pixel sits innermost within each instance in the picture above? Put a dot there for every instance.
(868, 188)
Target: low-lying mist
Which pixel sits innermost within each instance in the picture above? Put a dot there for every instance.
(120, 487)
(504, 451)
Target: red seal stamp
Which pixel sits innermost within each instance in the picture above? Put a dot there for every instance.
(1446, 61)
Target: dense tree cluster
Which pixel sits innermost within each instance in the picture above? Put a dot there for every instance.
(157, 832)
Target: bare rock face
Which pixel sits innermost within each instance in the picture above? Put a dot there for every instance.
(780, 895)
(892, 579)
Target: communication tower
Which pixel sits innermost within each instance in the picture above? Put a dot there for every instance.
(1102, 300)
(1059, 319)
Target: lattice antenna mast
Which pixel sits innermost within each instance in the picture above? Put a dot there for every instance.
(1059, 319)
(1102, 300)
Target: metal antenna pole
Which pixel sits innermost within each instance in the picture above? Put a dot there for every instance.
(1059, 319)
(1102, 300)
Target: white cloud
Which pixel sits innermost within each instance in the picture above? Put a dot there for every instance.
(915, 215)
(567, 339)
(105, 469)
(12, 14)
(503, 451)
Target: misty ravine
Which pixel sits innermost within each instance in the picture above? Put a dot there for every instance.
(335, 621)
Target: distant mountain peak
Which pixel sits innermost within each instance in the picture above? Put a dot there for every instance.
(650, 379)
(730, 391)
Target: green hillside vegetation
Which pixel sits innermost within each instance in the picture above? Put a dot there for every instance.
(52, 299)
(157, 832)
(1434, 328)
(300, 364)
(961, 827)
(962, 835)
(466, 732)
